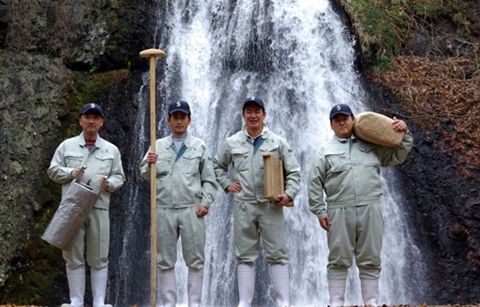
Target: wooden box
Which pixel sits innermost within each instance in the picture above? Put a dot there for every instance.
(273, 181)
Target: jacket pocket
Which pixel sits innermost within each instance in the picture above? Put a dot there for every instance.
(240, 159)
(163, 164)
(73, 159)
(270, 149)
(105, 163)
(369, 156)
(190, 163)
(337, 162)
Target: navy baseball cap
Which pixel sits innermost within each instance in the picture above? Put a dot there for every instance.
(340, 109)
(92, 107)
(179, 106)
(253, 101)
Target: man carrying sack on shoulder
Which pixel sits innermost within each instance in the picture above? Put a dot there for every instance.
(347, 169)
(92, 161)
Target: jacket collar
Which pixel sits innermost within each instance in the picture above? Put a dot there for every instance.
(247, 138)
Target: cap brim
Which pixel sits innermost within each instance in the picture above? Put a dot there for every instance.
(179, 110)
(341, 113)
(252, 102)
(93, 111)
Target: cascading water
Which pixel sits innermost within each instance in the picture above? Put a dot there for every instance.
(297, 56)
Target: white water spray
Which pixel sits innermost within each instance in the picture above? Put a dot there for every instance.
(298, 57)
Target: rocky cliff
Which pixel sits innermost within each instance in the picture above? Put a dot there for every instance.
(54, 56)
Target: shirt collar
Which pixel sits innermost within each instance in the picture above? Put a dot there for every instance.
(187, 141)
(83, 143)
(342, 140)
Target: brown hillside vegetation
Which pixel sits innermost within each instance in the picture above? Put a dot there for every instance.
(427, 53)
(442, 96)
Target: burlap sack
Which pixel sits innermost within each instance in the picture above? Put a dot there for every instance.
(71, 213)
(377, 129)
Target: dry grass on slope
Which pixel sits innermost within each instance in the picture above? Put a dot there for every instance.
(443, 97)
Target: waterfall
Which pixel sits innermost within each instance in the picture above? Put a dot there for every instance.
(298, 56)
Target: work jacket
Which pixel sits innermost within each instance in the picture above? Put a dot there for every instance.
(102, 160)
(348, 170)
(247, 165)
(186, 181)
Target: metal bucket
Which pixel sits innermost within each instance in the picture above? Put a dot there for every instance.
(70, 215)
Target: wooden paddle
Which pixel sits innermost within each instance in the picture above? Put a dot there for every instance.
(153, 54)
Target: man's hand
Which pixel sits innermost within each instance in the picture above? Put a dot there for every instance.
(201, 210)
(234, 187)
(399, 125)
(325, 222)
(151, 158)
(282, 200)
(104, 184)
(77, 172)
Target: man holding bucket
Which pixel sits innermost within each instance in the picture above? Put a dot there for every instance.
(95, 162)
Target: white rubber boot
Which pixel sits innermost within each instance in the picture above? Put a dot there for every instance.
(370, 291)
(99, 286)
(76, 286)
(336, 290)
(246, 284)
(280, 280)
(168, 287)
(195, 283)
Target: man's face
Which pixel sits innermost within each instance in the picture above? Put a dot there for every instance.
(178, 122)
(342, 125)
(91, 122)
(253, 116)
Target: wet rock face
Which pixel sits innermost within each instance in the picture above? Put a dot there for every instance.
(3, 20)
(44, 45)
(74, 30)
(33, 93)
(443, 215)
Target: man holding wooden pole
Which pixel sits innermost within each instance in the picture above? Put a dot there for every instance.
(186, 187)
(257, 217)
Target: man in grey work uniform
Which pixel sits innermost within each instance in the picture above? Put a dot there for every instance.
(103, 167)
(255, 216)
(348, 170)
(186, 187)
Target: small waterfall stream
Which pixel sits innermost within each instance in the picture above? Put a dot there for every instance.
(297, 56)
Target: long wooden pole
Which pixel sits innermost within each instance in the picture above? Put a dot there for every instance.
(152, 54)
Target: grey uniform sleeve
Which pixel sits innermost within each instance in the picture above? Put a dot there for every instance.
(116, 177)
(58, 171)
(209, 183)
(396, 155)
(316, 179)
(292, 171)
(220, 165)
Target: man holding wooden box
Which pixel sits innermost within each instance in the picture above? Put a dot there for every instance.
(347, 169)
(255, 215)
